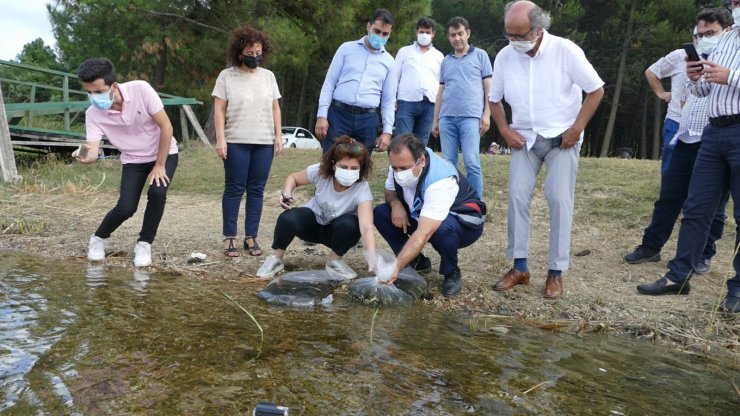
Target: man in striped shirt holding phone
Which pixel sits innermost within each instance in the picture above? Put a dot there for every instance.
(717, 167)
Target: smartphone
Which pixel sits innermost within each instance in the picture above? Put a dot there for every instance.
(691, 52)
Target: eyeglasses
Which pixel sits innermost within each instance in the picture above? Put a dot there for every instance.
(516, 37)
(351, 148)
(707, 34)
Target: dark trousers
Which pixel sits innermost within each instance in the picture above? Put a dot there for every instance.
(362, 127)
(246, 169)
(340, 235)
(716, 170)
(133, 178)
(415, 117)
(449, 237)
(674, 187)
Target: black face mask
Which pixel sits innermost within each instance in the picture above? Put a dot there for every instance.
(252, 61)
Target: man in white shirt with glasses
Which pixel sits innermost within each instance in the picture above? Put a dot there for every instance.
(541, 77)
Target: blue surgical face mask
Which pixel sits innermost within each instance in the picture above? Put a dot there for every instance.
(102, 100)
(406, 178)
(376, 41)
(706, 45)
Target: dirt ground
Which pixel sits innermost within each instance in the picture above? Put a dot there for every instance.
(600, 286)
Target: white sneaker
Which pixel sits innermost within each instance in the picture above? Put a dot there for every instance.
(271, 266)
(96, 249)
(339, 267)
(142, 254)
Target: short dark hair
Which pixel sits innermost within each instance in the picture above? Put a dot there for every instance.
(426, 23)
(409, 141)
(246, 36)
(345, 146)
(715, 15)
(458, 21)
(383, 15)
(96, 68)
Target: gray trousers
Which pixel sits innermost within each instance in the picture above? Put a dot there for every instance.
(560, 185)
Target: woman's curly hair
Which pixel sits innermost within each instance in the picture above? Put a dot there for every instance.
(246, 36)
(345, 146)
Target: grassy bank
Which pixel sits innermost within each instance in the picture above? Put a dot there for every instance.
(607, 189)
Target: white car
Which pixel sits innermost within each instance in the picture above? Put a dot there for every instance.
(299, 138)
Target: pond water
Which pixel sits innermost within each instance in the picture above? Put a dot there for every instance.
(84, 339)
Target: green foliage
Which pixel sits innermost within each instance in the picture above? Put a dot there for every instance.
(38, 54)
(180, 46)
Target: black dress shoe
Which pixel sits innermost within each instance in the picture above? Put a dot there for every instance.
(642, 254)
(422, 263)
(704, 266)
(732, 302)
(661, 287)
(452, 284)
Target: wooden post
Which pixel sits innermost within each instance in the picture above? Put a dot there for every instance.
(29, 121)
(65, 93)
(184, 133)
(7, 158)
(196, 125)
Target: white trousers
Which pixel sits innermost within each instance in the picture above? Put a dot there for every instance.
(560, 185)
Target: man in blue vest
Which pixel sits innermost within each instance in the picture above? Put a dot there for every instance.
(427, 200)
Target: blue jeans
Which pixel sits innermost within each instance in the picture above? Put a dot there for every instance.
(246, 169)
(716, 170)
(457, 133)
(670, 128)
(674, 187)
(449, 237)
(415, 117)
(362, 127)
(133, 179)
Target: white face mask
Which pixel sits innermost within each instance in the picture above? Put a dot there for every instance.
(522, 46)
(406, 178)
(736, 15)
(424, 39)
(346, 177)
(706, 45)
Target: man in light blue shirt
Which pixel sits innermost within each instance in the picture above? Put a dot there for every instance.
(461, 115)
(357, 86)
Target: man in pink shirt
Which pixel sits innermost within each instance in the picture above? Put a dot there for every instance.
(132, 117)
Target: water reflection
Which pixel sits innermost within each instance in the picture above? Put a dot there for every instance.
(140, 281)
(95, 275)
(23, 338)
(149, 343)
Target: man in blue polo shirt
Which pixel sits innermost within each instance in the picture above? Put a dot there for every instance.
(461, 115)
(357, 86)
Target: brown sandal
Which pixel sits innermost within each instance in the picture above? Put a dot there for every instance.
(253, 250)
(230, 250)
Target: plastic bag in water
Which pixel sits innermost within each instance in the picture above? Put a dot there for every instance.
(385, 265)
(302, 289)
(407, 288)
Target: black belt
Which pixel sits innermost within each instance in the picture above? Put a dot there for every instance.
(353, 108)
(724, 121)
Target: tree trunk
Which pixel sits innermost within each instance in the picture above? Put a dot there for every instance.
(299, 116)
(161, 65)
(657, 128)
(643, 127)
(618, 88)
